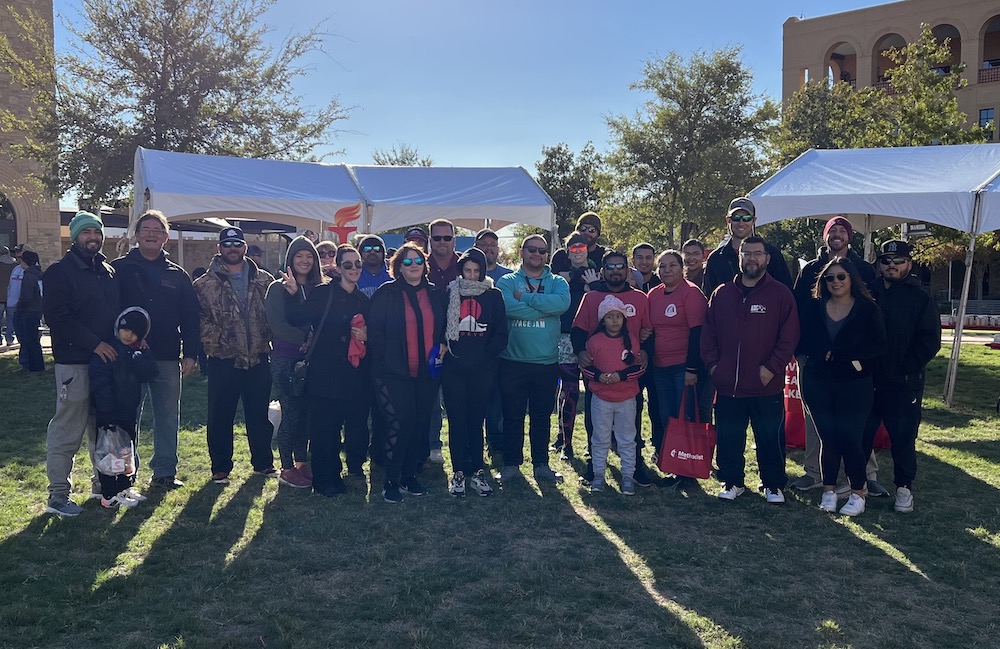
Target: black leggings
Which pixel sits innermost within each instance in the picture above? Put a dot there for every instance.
(406, 404)
(466, 395)
(840, 410)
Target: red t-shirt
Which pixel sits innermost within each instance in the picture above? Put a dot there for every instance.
(672, 316)
(635, 321)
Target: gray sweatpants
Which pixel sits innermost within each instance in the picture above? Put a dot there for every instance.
(618, 416)
(72, 423)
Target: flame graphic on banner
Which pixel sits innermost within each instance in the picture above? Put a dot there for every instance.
(341, 218)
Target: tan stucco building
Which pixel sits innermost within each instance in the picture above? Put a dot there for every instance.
(848, 46)
(25, 217)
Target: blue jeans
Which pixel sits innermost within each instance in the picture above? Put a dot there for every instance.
(669, 382)
(165, 398)
(8, 322)
(30, 354)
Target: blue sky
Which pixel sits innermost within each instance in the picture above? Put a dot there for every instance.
(489, 84)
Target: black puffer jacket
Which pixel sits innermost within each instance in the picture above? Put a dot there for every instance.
(912, 318)
(80, 302)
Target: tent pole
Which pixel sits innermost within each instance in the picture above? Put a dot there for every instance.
(869, 246)
(956, 344)
(180, 247)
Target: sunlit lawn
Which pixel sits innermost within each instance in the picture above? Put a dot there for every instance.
(254, 565)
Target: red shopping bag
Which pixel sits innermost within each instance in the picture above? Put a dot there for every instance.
(688, 446)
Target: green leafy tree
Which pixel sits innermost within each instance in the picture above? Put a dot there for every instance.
(193, 76)
(699, 140)
(570, 180)
(401, 155)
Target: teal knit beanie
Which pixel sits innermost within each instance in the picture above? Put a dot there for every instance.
(82, 221)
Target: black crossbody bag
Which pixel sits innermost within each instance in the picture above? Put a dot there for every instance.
(297, 379)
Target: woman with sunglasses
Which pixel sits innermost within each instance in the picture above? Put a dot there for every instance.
(843, 334)
(327, 251)
(677, 312)
(337, 389)
(406, 327)
(288, 345)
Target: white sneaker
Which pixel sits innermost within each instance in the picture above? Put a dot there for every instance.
(731, 492)
(436, 456)
(120, 500)
(829, 501)
(904, 500)
(480, 485)
(457, 485)
(775, 496)
(134, 494)
(844, 491)
(855, 505)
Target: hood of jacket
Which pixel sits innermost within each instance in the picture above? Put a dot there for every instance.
(297, 245)
(475, 255)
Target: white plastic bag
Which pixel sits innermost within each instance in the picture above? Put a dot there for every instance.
(115, 453)
(274, 415)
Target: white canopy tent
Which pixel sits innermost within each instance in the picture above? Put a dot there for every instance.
(954, 186)
(308, 195)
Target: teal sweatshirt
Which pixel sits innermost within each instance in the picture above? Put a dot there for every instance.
(533, 320)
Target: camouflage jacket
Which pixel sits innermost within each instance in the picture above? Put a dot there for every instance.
(226, 331)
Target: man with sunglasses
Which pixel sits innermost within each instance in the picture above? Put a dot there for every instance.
(724, 262)
(534, 298)
(374, 272)
(147, 278)
(914, 338)
(585, 323)
(589, 225)
(442, 268)
(237, 341)
(837, 236)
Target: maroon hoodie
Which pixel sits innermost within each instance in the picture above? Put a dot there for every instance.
(743, 331)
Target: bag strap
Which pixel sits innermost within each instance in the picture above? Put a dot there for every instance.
(322, 322)
(683, 411)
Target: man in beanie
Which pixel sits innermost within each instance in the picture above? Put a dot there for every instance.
(374, 272)
(724, 262)
(237, 340)
(914, 338)
(837, 236)
(589, 225)
(147, 278)
(80, 301)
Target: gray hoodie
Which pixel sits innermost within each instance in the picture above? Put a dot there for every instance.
(274, 302)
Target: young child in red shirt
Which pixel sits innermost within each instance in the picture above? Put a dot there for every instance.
(614, 381)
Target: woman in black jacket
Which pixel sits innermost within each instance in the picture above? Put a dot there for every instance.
(337, 390)
(405, 329)
(28, 315)
(842, 333)
(476, 333)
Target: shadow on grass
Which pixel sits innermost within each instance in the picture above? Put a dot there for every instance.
(986, 449)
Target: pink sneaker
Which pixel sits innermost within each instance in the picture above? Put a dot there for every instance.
(294, 478)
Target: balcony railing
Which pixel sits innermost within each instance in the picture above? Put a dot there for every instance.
(989, 75)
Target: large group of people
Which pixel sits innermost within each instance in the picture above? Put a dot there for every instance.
(364, 351)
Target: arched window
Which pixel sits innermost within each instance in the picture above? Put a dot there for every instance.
(8, 222)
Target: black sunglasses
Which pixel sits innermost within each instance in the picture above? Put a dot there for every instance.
(536, 251)
(895, 261)
(442, 237)
(327, 255)
(233, 244)
(371, 248)
(409, 261)
(349, 265)
(839, 277)
(586, 228)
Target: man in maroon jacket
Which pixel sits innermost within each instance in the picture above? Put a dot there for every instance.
(750, 332)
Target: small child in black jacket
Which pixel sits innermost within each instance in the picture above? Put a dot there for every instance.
(116, 392)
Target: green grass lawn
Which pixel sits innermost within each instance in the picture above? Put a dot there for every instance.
(254, 565)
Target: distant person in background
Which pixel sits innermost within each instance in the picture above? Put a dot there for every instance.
(589, 225)
(29, 315)
(202, 358)
(694, 262)
(256, 253)
(417, 236)
(488, 241)
(7, 265)
(13, 293)
(327, 251)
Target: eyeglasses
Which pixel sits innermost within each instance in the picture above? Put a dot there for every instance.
(410, 261)
(895, 261)
(586, 228)
(347, 265)
(736, 218)
(371, 248)
(578, 247)
(233, 244)
(756, 254)
(442, 237)
(327, 255)
(838, 277)
(536, 250)
(152, 231)
(615, 266)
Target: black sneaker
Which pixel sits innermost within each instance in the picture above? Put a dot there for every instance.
(640, 477)
(167, 483)
(390, 493)
(269, 472)
(670, 481)
(411, 486)
(588, 475)
(336, 488)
